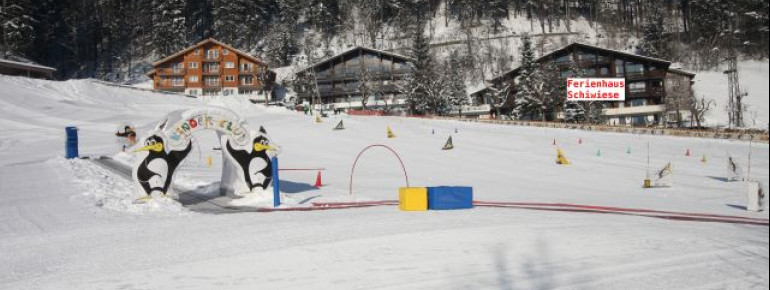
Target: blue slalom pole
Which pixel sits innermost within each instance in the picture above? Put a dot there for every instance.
(276, 183)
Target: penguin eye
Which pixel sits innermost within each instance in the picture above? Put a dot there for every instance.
(151, 142)
(265, 142)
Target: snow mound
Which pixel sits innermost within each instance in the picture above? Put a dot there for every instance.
(106, 190)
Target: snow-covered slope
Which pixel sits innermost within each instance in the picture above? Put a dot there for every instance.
(67, 224)
(753, 75)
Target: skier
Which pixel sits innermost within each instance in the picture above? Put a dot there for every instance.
(129, 134)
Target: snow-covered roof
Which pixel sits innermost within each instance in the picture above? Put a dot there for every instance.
(664, 62)
(210, 40)
(681, 72)
(356, 48)
(34, 66)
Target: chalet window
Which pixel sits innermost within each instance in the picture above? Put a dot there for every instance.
(586, 56)
(247, 67)
(211, 67)
(193, 79)
(247, 80)
(177, 82)
(211, 81)
(619, 68)
(564, 58)
(212, 54)
(229, 64)
(229, 78)
(639, 120)
(373, 69)
(634, 68)
(225, 52)
(193, 65)
(636, 87)
(604, 71)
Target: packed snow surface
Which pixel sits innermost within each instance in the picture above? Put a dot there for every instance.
(71, 224)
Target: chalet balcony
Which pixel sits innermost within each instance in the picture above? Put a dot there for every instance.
(172, 71)
(247, 71)
(211, 58)
(639, 110)
(211, 71)
(648, 93)
(170, 88)
(657, 74)
(212, 85)
(253, 85)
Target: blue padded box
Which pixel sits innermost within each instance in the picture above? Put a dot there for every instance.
(449, 198)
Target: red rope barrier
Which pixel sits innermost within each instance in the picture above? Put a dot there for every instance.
(353, 170)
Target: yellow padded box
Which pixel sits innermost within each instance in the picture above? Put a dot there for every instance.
(413, 199)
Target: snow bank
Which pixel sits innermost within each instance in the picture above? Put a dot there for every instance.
(106, 190)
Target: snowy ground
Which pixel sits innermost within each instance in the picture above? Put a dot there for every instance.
(70, 224)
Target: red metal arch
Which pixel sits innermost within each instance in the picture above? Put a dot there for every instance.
(353, 170)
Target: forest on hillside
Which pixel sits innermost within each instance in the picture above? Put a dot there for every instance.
(97, 38)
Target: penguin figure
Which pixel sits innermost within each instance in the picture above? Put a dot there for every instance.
(255, 163)
(156, 170)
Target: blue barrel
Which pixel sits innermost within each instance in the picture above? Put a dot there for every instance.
(71, 148)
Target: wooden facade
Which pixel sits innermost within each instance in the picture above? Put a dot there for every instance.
(342, 80)
(646, 80)
(213, 68)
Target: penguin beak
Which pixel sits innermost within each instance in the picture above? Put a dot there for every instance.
(157, 147)
(258, 147)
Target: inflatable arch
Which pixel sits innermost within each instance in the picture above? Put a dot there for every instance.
(246, 153)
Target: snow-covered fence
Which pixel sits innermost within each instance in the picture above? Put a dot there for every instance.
(709, 134)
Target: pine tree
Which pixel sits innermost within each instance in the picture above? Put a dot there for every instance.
(17, 24)
(653, 43)
(456, 86)
(525, 86)
(423, 67)
(281, 42)
(169, 26)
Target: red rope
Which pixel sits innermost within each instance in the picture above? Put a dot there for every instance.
(353, 170)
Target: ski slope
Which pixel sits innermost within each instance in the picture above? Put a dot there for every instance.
(71, 224)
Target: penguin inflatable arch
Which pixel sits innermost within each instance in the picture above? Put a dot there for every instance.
(155, 171)
(255, 162)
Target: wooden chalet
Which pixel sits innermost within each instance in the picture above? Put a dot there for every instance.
(213, 68)
(647, 80)
(25, 69)
(344, 80)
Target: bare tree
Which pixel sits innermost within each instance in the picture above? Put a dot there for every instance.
(699, 108)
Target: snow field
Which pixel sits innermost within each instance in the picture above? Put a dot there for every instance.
(65, 225)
